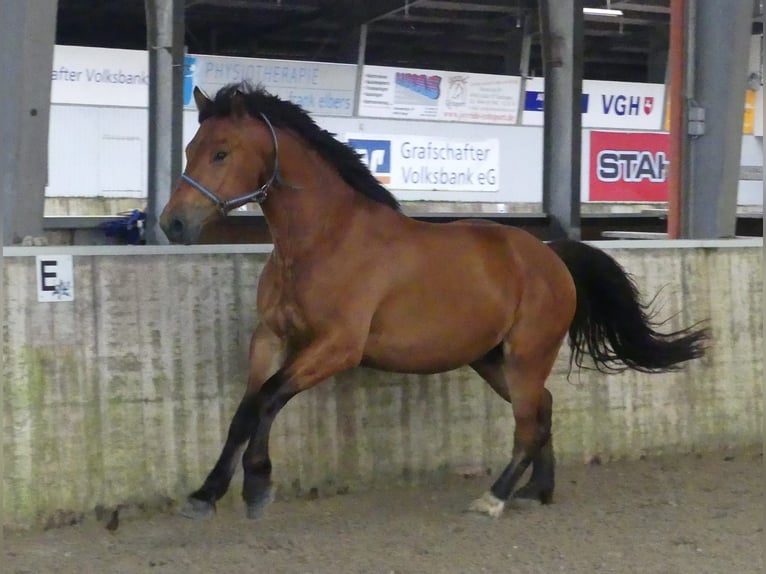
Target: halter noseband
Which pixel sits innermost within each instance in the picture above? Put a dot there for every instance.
(258, 196)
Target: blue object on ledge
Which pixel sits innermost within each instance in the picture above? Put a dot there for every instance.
(128, 228)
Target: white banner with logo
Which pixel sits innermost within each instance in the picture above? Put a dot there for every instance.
(100, 77)
(427, 163)
(320, 88)
(408, 93)
(620, 105)
(120, 78)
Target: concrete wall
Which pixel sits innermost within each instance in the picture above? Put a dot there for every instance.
(124, 395)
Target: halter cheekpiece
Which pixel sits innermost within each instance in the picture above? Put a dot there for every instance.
(257, 196)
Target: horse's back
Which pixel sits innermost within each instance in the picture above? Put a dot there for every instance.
(514, 250)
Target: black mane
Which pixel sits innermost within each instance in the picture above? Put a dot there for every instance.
(286, 114)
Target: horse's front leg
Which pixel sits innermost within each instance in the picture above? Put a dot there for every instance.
(310, 366)
(266, 357)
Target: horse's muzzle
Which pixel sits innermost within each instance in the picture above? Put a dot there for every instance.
(180, 229)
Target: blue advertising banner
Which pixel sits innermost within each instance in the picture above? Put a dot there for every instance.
(320, 88)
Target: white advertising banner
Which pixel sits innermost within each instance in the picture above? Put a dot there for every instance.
(120, 78)
(618, 105)
(406, 93)
(100, 77)
(404, 162)
(320, 88)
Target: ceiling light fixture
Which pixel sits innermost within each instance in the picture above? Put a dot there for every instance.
(602, 12)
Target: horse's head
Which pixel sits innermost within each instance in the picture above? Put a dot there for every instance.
(231, 161)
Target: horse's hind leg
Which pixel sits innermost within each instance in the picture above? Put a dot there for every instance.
(521, 380)
(542, 482)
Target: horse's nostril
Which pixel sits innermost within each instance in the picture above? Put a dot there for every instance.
(176, 228)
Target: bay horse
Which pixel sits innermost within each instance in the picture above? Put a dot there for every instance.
(353, 281)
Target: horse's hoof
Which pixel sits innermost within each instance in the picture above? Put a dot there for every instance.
(488, 504)
(256, 508)
(532, 495)
(197, 509)
(524, 503)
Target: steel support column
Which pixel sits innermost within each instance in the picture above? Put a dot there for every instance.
(526, 47)
(514, 52)
(27, 34)
(709, 202)
(677, 82)
(657, 59)
(165, 43)
(361, 54)
(561, 27)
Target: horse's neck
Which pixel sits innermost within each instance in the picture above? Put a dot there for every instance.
(304, 229)
(310, 211)
(316, 210)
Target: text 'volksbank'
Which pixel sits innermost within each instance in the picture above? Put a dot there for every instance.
(99, 76)
(421, 164)
(450, 174)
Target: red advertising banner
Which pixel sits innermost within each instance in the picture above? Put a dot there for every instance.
(628, 166)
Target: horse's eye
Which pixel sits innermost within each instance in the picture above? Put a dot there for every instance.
(219, 156)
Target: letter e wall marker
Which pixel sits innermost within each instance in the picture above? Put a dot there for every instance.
(55, 278)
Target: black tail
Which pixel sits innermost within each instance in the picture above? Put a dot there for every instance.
(612, 325)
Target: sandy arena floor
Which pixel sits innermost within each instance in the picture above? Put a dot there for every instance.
(692, 514)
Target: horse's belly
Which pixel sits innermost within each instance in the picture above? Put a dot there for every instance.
(422, 346)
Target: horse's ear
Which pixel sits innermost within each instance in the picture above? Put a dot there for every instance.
(238, 106)
(203, 102)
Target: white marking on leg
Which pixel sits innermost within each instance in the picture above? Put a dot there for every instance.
(488, 504)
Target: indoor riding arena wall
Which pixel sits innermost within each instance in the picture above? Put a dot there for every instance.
(124, 395)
